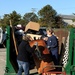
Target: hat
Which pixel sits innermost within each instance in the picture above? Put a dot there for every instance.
(19, 25)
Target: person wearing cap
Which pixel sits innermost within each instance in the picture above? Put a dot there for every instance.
(52, 44)
(23, 55)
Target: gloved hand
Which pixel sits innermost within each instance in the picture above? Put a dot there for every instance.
(48, 47)
(45, 38)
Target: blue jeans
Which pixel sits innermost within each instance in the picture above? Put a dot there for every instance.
(23, 66)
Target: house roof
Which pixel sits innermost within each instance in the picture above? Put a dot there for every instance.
(67, 16)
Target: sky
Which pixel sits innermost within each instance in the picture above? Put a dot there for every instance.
(65, 7)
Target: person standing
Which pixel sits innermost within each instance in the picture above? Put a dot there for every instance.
(23, 55)
(52, 44)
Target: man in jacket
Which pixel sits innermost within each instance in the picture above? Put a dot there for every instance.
(23, 55)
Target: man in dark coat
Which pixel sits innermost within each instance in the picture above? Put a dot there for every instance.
(23, 55)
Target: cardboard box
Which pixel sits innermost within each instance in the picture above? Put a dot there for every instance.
(33, 26)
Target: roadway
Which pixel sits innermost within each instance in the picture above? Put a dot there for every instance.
(2, 60)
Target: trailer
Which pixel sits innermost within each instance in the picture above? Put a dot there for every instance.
(67, 55)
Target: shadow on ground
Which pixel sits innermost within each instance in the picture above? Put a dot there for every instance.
(1, 46)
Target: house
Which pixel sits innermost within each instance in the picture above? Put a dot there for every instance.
(68, 19)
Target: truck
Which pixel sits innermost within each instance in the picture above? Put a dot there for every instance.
(2, 37)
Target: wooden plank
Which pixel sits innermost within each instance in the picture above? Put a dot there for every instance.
(13, 38)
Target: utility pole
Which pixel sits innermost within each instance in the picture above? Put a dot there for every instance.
(33, 10)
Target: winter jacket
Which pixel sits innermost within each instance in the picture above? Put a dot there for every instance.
(24, 51)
